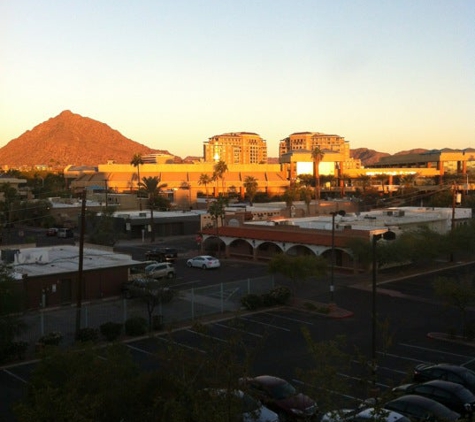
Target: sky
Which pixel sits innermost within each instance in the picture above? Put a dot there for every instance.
(388, 75)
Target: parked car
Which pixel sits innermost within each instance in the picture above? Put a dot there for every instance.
(447, 372)
(162, 254)
(203, 261)
(144, 286)
(455, 396)
(52, 231)
(247, 408)
(359, 415)
(280, 396)
(141, 268)
(419, 408)
(160, 270)
(64, 233)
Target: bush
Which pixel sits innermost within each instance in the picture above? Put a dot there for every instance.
(281, 295)
(85, 335)
(51, 339)
(111, 330)
(136, 326)
(157, 322)
(13, 350)
(251, 301)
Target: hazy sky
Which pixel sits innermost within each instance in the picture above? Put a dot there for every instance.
(388, 75)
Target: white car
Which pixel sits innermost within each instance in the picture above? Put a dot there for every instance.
(252, 410)
(359, 415)
(204, 261)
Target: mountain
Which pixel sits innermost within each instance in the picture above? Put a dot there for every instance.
(70, 139)
(370, 157)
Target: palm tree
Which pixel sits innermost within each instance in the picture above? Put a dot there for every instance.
(137, 162)
(152, 187)
(251, 185)
(219, 169)
(317, 156)
(205, 179)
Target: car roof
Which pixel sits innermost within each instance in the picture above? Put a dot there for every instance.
(446, 385)
(389, 416)
(448, 366)
(268, 380)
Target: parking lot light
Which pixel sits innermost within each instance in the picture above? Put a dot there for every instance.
(387, 235)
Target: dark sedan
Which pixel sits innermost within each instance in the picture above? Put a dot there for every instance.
(454, 396)
(444, 371)
(281, 396)
(419, 408)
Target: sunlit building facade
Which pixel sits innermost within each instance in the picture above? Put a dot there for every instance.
(236, 148)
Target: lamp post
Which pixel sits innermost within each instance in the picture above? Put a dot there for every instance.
(388, 235)
(332, 264)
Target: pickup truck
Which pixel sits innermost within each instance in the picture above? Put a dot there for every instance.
(162, 254)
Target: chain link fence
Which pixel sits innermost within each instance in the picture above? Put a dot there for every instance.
(188, 306)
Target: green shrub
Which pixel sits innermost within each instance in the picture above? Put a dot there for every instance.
(267, 300)
(251, 301)
(51, 339)
(157, 322)
(85, 335)
(111, 330)
(136, 326)
(281, 295)
(13, 350)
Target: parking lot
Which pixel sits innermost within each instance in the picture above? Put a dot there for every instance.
(406, 305)
(276, 336)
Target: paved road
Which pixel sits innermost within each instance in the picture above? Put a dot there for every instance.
(407, 305)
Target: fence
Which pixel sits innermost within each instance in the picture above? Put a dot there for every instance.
(189, 305)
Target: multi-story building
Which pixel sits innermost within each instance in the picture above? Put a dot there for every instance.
(310, 140)
(236, 148)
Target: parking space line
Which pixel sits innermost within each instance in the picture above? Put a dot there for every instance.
(287, 318)
(265, 324)
(185, 346)
(207, 336)
(399, 357)
(139, 350)
(436, 350)
(15, 376)
(238, 330)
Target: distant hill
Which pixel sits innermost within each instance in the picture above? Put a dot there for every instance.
(73, 139)
(70, 139)
(370, 157)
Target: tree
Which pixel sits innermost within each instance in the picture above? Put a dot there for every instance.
(153, 293)
(101, 227)
(137, 161)
(459, 294)
(220, 168)
(297, 268)
(152, 187)
(317, 156)
(251, 186)
(217, 210)
(205, 179)
(10, 304)
(307, 192)
(291, 194)
(84, 386)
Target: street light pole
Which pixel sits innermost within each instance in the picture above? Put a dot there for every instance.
(332, 263)
(388, 235)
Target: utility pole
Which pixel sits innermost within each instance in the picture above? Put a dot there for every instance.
(80, 267)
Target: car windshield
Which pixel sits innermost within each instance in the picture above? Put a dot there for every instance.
(466, 395)
(284, 390)
(469, 377)
(249, 404)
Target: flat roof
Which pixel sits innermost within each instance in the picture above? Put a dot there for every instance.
(35, 262)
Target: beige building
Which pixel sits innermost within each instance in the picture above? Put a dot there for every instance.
(236, 148)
